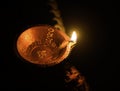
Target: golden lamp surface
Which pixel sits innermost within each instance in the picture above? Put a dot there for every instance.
(41, 45)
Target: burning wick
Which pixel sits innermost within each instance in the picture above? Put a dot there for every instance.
(71, 42)
(73, 39)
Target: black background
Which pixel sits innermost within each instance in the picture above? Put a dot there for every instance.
(92, 55)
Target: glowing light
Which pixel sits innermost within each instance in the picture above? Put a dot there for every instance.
(74, 37)
(71, 42)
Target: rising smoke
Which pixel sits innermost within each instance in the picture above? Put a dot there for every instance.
(57, 15)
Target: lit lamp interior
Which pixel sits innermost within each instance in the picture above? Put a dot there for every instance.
(45, 45)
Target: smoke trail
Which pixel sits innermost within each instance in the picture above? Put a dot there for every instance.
(57, 15)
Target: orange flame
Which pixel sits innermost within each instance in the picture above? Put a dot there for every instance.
(74, 37)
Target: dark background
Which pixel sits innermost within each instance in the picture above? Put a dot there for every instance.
(92, 55)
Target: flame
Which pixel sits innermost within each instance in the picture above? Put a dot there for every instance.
(74, 37)
(71, 42)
